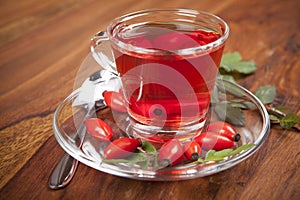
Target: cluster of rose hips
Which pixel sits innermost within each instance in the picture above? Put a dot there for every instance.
(217, 136)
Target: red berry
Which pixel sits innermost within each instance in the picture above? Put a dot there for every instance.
(192, 150)
(115, 101)
(99, 129)
(170, 153)
(224, 129)
(212, 140)
(121, 148)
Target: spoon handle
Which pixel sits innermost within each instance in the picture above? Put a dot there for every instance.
(63, 172)
(66, 167)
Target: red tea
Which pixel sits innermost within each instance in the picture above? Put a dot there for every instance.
(166, 81)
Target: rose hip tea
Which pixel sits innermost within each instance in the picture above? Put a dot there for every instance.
(168, 61)
(167, 88)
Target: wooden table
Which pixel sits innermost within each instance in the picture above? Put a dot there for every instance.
(42, 45)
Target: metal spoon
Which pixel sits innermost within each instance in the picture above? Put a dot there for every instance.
(63, 172)
(66, 167)
(99, 81)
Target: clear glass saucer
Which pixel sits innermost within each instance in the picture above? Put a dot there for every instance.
(69, 128)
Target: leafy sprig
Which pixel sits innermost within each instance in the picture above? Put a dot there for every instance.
(147, 156)
(286, 121)
(213, 155)
(233, 62)
(233, 65)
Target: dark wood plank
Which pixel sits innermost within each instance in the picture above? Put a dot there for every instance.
(42, 46)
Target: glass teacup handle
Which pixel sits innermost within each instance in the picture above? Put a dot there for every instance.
(101, 51)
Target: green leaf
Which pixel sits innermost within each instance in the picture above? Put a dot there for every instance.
(227, 78)
(214, 158)
(144, 165)
(230, 114)
(214, 97)
(200, 160)
(241, 148)
(240, 103)
(132, 159)
(213, 155)
(210, 153)
(210, 156)
(266, 94)
(152, 155)
(223, 153)
(229, 89)
(289, 121)
(136, 157)
(244, 67)
(233, 62)
(155, 161)
(228, 59)
(148, 147)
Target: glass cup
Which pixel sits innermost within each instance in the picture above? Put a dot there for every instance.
(167, 60)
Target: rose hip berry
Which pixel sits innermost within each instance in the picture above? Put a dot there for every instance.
(170, 153)
(99, 129)
(224, 129)
(192, 150)
(115, 101)
(121, 148)
(212, 140)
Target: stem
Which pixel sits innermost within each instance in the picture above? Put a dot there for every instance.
(279, 114)
(274, 111)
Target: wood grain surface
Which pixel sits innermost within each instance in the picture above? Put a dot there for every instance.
(43, 43)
